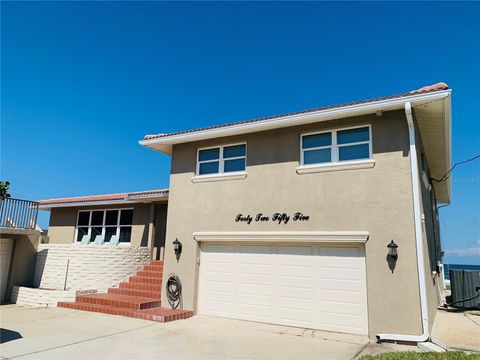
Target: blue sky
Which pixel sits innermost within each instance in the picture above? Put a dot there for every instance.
(82, 82)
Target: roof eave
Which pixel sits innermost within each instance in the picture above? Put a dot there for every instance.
(124, 201)
(165, 144)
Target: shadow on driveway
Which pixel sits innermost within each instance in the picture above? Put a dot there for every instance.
(9, 335)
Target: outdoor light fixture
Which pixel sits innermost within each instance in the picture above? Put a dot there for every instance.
(392, 250)
(177, 247)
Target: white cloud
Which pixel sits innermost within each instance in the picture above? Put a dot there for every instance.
(468, 251)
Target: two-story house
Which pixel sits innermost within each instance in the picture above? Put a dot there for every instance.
(322, 219)
(286, 219)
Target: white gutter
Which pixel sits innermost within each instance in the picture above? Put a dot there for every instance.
(163, 144)
(418, 239)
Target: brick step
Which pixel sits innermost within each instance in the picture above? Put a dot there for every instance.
(153, 268)
(149, 273)
(155, 314)
(134, 292)
(155, 262)
(141, 286)
(145, 280)
(120, 301)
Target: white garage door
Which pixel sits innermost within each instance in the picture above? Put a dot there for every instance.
(5, 254)
(306, 286)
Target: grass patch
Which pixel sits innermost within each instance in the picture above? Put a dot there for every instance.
(410, 355)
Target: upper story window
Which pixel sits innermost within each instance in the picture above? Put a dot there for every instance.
(336, 146)
(106, 223)
(222, 159)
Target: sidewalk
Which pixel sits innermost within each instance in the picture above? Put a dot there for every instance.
(457, 330)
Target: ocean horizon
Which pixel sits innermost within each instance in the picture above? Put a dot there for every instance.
(447, 267)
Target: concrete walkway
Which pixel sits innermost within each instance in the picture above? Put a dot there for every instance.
(457, 330)
(57, 333)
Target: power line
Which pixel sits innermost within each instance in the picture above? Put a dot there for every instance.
(449, 172)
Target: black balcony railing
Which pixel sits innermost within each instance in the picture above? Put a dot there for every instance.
(19, 214)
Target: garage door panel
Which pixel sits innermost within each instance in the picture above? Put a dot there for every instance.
(295, 293)
(216, 307)
(223, 296)
(219, 277)
(338, 319)
(252, 311)
(292, 251)
(254, 289)
(340, 307)
(220, 287)
(299, 270)
(223, 250)
(286, 303)
(257, 300)
(337, 284)
(299, 317)
(339, 273)
(309, 286)
(332, 263)
(255, 268)
(349, 297)
(294, 281)
(258, 279)
(255, 251)
(219, 267)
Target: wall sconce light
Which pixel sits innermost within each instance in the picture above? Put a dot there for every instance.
(177, 248)
(392, 250)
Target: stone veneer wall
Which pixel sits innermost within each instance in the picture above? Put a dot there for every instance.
(87, 267)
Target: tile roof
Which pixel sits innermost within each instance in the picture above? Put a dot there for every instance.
(106, 197)
(426, 89)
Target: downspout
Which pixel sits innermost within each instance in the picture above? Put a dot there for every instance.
(418, 239)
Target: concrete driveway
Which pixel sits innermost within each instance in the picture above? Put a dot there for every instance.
(57, 333)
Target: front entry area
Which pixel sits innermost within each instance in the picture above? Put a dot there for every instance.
(315, 287)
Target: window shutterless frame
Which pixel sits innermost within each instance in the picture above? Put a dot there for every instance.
(103, 225)
(334, 147)
(221, 160)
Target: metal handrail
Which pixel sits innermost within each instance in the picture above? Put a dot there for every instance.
(18, 213)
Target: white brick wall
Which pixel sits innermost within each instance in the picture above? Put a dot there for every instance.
(90, 267)
(39, 297)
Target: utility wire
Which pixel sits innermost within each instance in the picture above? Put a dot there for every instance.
(449, 172)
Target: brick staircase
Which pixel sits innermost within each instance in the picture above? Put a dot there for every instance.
(139, 297)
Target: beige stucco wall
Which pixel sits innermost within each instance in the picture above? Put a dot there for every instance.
(378, 200)
(22, 263)
(63, 220)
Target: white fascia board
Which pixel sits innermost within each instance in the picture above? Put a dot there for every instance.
(448, 144)
(284, 236)
(165, 144)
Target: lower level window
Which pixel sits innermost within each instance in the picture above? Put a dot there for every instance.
(107, 223)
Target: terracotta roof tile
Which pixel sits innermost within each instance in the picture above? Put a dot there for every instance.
(425, 89)
(105, 197)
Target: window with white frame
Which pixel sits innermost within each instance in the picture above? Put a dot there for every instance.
(336, 146)
(107, 223)
(222, 159)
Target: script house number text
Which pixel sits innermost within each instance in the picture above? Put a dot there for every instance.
(280, 218)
